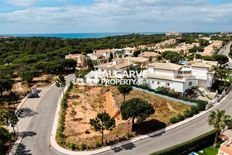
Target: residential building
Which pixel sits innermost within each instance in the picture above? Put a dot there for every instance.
(165, 43)
(173, 34)
(80, 59)
(116, 67)
(129, 51)
(172, 76)
(142, 62)
(101, 56)
(181, 47)
(151, 56)
(226, 147)
(175, 77)
(204, 73)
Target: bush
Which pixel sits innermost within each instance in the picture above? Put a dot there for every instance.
(194, 144)
(98, 145)
(173, 120)
(229, 124)
(200, 104)
(83, 147)
(188, 113)
(171, 93)
(195, 110)
(72, 146)
(5, 136)
(180, 117)
(177, 118)
(59, 133)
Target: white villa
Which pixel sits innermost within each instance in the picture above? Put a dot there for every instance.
(180, 78)
(169, 75)
(175, 77)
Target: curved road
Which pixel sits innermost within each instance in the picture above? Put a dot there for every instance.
(38, 142)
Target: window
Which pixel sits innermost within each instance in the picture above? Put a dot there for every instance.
(158, 83)
(167, 84)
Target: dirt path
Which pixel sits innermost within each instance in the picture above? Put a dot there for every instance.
(171, 108)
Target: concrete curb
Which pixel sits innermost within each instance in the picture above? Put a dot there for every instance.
(20, 138)
(115, 146)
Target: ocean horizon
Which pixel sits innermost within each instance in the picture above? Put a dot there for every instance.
(78, 35)
(85, 35)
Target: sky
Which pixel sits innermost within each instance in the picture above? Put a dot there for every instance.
(94, 16)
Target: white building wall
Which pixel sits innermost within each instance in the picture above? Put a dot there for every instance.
(205, 79)
(177, 86)
(160, 72)
(190, 83)
(200, 73)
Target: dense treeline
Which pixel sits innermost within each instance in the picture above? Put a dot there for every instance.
(46, 55)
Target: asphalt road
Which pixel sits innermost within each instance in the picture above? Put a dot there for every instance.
(225, 51)
(37, 141)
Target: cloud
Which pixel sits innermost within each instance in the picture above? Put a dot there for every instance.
(124, 15)
(21, 2)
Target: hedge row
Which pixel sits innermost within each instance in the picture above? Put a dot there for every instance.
(59, 134)
(172, 94)
(188, 113)
(200, 104)
(194, 144)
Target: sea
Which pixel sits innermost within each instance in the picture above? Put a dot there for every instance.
(78, 35)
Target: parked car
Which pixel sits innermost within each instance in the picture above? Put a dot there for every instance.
(32, 95)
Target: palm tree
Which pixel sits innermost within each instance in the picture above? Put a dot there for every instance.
(218, 119)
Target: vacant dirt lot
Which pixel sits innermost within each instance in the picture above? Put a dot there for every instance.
(85, 102)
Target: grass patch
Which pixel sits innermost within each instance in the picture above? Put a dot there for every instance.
(209, 151)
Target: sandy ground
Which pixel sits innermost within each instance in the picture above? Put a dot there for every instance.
(88, 101)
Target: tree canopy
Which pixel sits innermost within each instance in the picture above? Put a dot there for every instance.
(174, 57)
(221, 59)
(124, 89)
(136, 108)
(103, 122)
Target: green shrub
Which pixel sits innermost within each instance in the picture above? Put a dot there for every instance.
(61, 126)
(194, 144)
(195, 110)
(71, 146)
(83, 147)
(173, 120)
(98, 145)
(180, 117)
(229, 124)
(188, 113)
(5, 136)
(172, 93)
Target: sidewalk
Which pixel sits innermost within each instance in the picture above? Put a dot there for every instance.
(29, 107)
